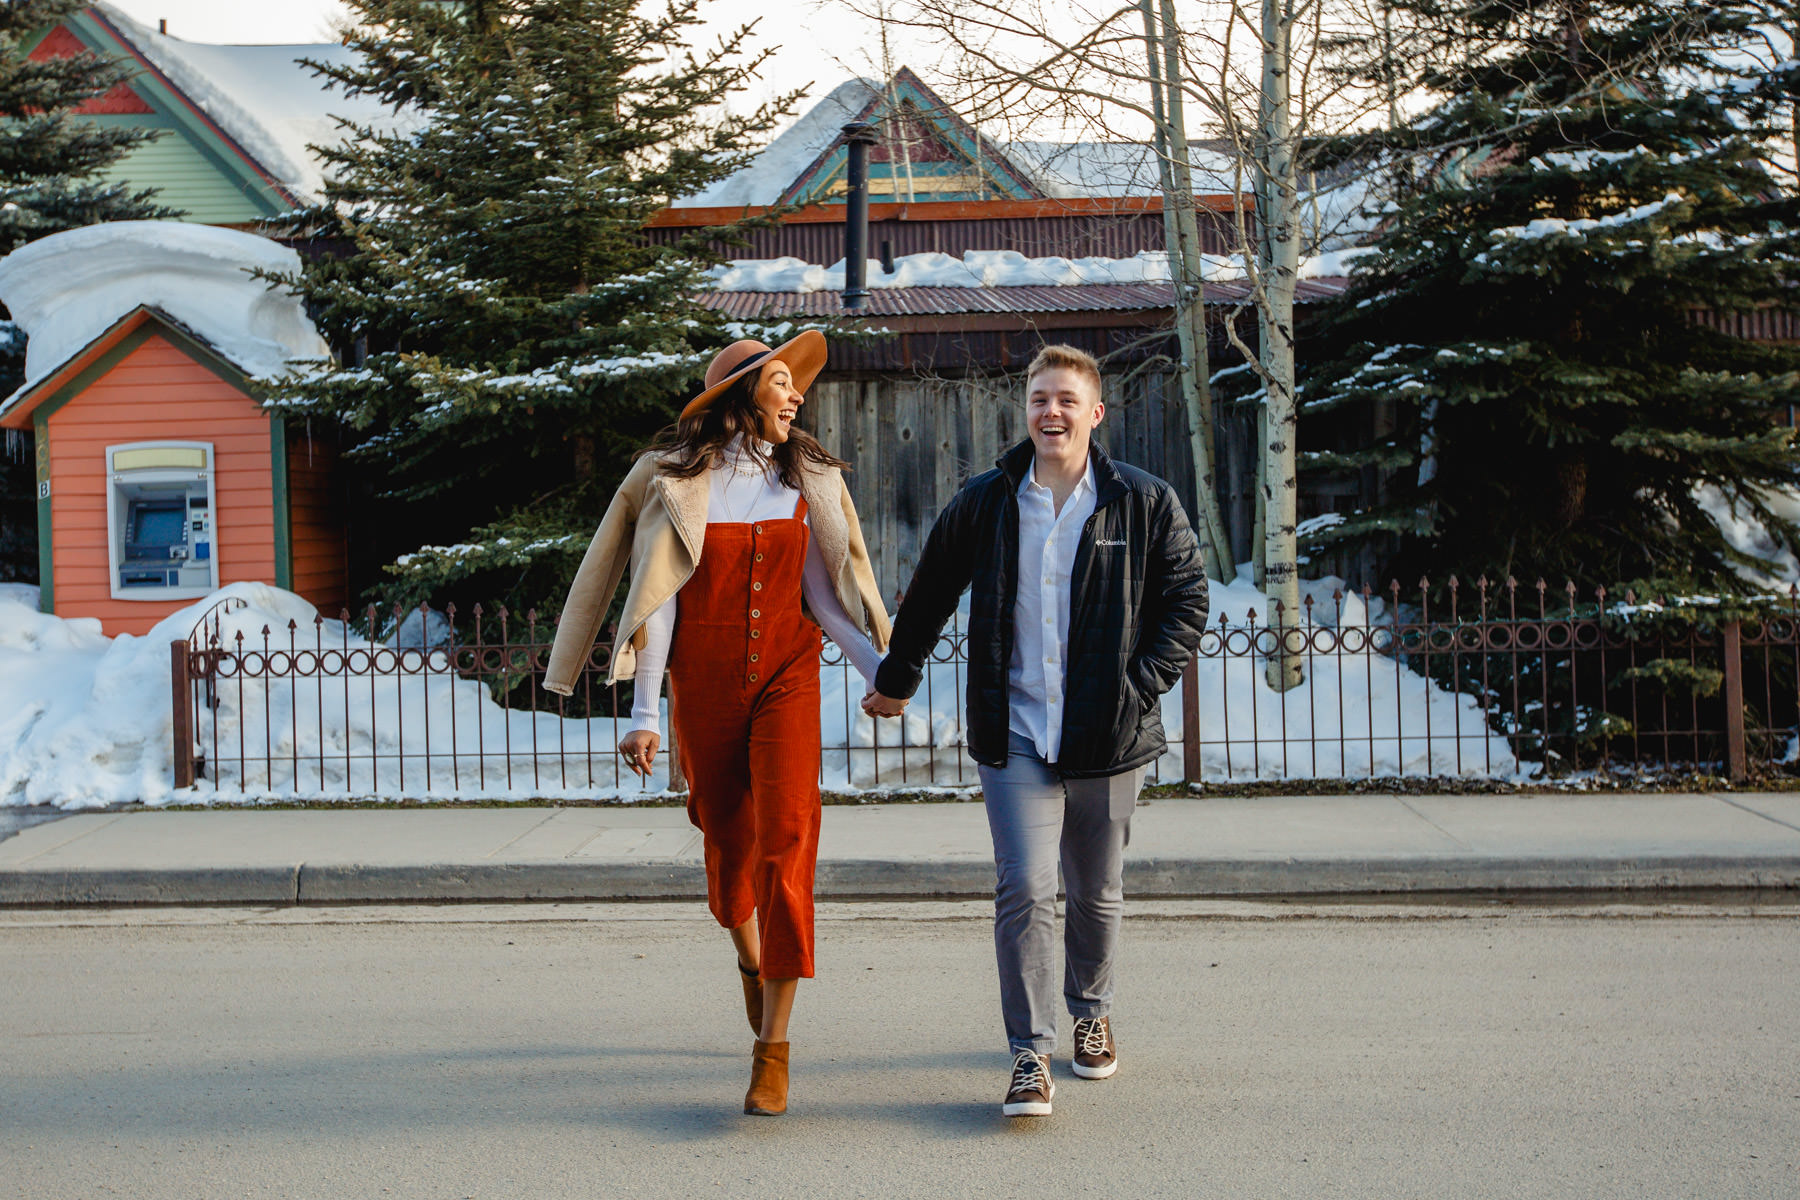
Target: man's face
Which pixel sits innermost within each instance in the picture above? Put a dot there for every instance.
(1062, 406)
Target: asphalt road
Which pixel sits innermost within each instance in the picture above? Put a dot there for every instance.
(544, 1051)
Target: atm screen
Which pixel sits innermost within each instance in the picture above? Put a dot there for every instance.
(157, 525)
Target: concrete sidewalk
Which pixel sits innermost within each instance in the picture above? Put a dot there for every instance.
(1315, 845)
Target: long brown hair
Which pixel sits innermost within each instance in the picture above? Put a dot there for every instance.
(697, 443)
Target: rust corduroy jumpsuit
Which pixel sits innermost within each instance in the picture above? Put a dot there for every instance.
(744, 702)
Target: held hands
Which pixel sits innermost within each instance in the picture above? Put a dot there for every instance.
(875, 704)
(639, 748)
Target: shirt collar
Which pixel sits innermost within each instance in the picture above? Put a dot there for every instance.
(735, 449)
(1030, 479)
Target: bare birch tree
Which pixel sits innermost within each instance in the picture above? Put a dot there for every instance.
(1249, 71)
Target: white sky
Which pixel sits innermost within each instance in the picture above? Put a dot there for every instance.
(819, 43)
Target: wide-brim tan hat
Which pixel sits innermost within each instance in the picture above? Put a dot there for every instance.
(804, 355)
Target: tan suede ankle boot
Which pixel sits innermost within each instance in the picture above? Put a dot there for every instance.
(752, 981)
(767, 1096)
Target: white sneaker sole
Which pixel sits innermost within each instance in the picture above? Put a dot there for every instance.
(1029, 1108)
(1096, 1072)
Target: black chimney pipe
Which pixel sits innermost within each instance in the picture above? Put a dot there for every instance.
(858, 137)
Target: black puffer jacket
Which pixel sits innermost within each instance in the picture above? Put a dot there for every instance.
(1136, 608)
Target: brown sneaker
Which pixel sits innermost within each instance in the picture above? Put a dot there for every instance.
(1029, 1093)
(1095, 1055)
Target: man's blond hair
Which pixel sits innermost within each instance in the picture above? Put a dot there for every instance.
(1060, 357)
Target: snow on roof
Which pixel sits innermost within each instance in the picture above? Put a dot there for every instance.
(995, 269)
(767, 176)
(1062, 170)
(67, 289)
(1068, 170)
(262, 97)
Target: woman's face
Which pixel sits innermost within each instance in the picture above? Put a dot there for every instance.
(777, 402)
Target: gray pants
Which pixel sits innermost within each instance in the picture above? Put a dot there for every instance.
(1036, 818)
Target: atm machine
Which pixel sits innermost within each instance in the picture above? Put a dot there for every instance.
(159, 520)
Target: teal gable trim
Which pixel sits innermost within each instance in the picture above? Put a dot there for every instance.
(975, 154)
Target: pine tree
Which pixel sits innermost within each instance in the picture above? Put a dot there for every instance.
(1539, 332)
(50, 160)
(511, 335)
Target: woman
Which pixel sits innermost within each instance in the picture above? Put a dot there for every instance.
(738, 528)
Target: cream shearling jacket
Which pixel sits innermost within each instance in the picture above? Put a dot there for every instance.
(656, 525)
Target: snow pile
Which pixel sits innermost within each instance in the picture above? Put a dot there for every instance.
(1386, 709)
(264, 98)
(997, 268)
(21, 593)
(86, 721)
(67, 289)
(1748, 536)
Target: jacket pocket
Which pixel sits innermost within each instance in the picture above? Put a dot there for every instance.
(1129, 719)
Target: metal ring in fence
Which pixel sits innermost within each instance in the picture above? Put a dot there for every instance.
(1439, 639)
(1520, 635)
(1470, 638)
(1585, 635)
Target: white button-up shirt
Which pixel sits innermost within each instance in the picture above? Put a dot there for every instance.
(1048, 541)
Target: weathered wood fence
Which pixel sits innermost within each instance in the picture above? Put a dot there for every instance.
(913, 442)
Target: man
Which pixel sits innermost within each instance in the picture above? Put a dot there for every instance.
(1088, 598)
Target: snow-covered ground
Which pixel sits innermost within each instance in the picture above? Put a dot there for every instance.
(86, 720)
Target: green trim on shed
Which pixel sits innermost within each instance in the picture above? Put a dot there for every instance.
(278, 476)
(46, 563)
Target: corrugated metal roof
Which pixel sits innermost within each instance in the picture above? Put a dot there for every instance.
(1065, 235)
(930, 301)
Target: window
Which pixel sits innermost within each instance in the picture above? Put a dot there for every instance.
(159, 520)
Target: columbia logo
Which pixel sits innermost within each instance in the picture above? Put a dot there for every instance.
(1109, 541)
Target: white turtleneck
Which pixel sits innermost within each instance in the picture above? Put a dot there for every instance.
(739, 491)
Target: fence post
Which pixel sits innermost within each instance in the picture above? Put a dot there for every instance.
(181, 692)
(1190, 720)
(1736, 763)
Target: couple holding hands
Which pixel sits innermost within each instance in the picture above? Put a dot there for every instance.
(1088, 597)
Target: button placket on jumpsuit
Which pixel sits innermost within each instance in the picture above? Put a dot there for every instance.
(744, 703)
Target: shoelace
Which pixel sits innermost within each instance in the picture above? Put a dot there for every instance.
(1028, 1073)
(1090, 1036)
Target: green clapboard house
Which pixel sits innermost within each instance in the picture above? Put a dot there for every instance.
(236, 120)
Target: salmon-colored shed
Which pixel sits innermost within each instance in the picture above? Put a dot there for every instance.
(161, 478)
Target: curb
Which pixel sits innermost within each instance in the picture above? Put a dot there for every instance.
(558, 880)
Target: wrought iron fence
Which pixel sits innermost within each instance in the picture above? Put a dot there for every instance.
(330, 711)
(1478, 681)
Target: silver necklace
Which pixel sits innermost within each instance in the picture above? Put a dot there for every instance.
(738, 515)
